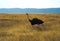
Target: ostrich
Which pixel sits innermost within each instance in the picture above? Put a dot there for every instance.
(35, 22)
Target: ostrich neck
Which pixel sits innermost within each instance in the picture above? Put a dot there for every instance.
(28, 17)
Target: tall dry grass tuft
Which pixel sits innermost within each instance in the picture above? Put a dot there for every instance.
(52, 36)
(29, 38)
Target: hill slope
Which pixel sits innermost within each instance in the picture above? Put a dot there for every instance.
(30, 10)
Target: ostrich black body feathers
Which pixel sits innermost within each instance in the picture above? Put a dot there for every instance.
(36, 21)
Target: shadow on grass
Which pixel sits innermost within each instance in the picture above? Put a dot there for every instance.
(4, 23)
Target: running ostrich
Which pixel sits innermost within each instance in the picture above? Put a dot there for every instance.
(35, 22)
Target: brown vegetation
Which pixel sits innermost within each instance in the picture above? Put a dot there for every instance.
(16, 27)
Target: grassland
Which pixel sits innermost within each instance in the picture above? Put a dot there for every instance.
(16, 27)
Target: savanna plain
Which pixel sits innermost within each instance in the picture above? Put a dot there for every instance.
(16, 27)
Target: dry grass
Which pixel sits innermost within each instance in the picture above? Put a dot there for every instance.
(16, 27)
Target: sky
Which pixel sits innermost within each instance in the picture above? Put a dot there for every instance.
(29, 3)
